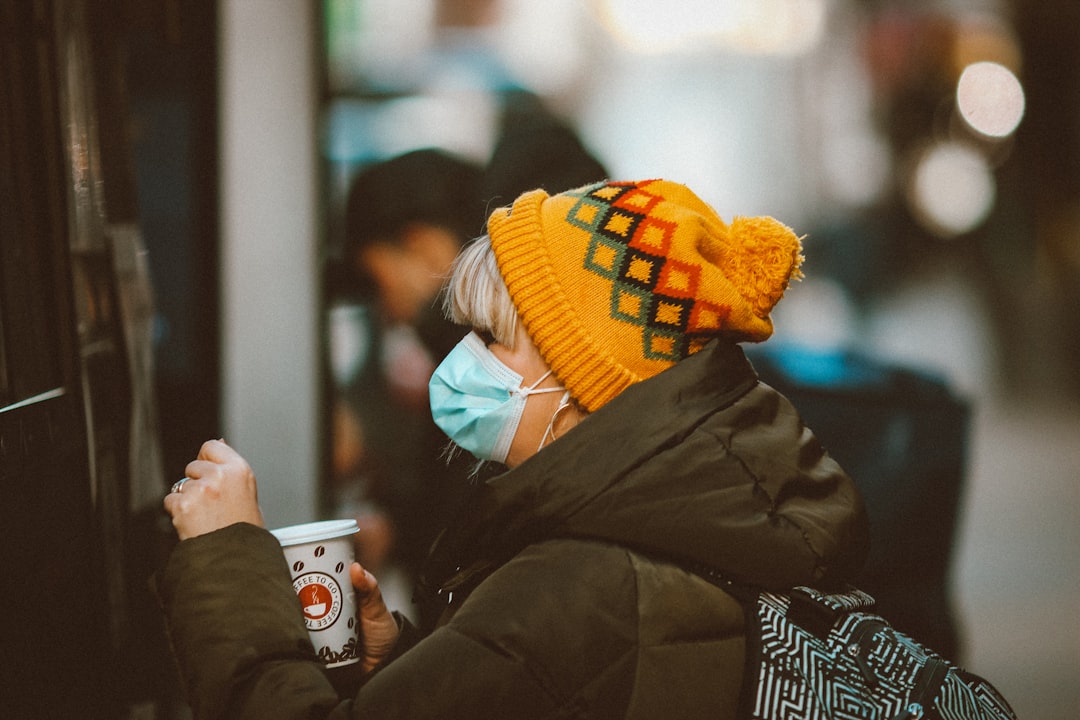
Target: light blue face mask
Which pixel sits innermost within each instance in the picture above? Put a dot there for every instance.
(477, 400)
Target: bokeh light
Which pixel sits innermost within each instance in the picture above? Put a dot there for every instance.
(990, 99)
(784, 27)
(951, 189)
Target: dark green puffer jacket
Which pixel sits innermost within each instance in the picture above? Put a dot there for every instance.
(560, 602)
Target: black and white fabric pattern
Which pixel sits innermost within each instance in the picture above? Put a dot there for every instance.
(828, 657)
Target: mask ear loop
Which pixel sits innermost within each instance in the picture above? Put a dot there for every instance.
(533, 390)
(550, 431)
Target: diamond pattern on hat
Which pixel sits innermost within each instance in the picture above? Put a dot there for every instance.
(631, 304)
(707, 317)
(605, 257)
(655, 292)
(663, 345)
(670, 314)
(635, 200)
(653, 236)
(619, 224)
(640, 269)
(678, 279)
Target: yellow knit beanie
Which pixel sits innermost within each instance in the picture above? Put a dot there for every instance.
(618, 281)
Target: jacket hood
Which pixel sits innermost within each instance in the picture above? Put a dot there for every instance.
(701, 463)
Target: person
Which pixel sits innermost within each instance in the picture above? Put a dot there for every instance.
(405, 219)
(604, 370)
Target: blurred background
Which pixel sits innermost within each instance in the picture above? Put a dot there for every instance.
(180, 261)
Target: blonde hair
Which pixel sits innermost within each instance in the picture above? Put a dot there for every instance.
(476, 295)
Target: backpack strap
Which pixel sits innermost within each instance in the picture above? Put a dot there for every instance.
(818, 612)
(927, 685)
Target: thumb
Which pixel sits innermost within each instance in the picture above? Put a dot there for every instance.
(367, 587)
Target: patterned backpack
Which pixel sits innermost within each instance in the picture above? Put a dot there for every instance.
(817, 656)
(812, 655)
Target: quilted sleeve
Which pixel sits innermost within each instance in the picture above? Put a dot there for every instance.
(237, 631)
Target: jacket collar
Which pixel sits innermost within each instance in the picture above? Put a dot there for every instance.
(522, 505)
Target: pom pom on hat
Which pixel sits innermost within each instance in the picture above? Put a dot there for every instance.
(759, 256)
(617, 281)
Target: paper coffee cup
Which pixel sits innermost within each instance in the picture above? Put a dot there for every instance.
(319, 555)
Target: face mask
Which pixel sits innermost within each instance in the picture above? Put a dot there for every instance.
(477, 400)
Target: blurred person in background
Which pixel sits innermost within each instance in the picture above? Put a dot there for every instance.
(604, 372)
(406, 218)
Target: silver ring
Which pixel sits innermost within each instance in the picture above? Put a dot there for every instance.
(178, 485)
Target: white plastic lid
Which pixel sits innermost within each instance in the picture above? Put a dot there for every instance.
(314, 531)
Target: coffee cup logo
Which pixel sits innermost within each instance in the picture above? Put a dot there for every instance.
(320, 596)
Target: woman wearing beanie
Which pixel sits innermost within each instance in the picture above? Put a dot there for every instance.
(604, 371)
